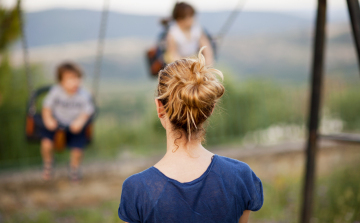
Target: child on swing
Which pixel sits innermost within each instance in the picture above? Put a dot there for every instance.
(185, 36)
(67, 104)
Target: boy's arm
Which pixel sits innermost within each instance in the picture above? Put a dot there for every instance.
(78, 124)
(46, 113)
(49, 121)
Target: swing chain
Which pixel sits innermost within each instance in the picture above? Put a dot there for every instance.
(230, 20)
(100, 48)
(25, 49)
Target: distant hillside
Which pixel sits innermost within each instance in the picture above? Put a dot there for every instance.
(59, 26)
(264, 45)
(280, 56)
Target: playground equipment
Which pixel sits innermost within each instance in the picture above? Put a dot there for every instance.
(315, 101)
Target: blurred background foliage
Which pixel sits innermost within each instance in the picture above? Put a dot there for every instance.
(337, 198)
(127, 120)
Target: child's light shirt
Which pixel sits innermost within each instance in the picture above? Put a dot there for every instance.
(66, 108)
(221, 194)
(186, 46)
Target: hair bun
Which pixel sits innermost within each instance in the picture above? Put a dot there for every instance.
(189, 90)
(198, 67)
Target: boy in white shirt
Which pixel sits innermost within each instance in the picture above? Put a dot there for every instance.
(69, 105)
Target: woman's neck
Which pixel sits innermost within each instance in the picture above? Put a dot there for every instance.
(185, 162)
(178, 145)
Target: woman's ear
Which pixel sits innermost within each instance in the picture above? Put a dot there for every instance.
(161, 112)
(159, 108)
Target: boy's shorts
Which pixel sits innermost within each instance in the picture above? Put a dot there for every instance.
(72, 140)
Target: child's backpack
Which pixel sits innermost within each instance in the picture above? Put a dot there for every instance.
(155, 55)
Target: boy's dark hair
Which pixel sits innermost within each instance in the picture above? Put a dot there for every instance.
(68, 66)
(182, 10)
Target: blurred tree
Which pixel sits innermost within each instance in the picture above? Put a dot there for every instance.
(13, 94)
(9, 32)
(9, 26)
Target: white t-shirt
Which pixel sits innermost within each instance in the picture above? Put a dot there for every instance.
(186, 46)
(66, 108)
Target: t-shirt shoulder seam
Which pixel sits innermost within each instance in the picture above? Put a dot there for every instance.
(238, 162)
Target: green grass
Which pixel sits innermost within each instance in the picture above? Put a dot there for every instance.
(105, 212)
(281, 201)
(337, 198)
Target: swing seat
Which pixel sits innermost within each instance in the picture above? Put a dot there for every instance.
(34, 123)
(155, 55)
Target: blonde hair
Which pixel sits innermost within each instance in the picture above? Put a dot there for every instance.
(189, 90)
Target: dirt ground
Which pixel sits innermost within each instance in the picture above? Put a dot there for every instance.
(102, 181)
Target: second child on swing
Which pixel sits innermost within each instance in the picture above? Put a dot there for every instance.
(186, 36)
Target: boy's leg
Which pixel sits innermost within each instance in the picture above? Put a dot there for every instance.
(76, 143)
(46, 150)
(47, 156)
(76, 155)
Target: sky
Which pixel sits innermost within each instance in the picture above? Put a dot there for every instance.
(163, 7)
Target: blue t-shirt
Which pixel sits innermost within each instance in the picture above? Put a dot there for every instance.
(220, 194)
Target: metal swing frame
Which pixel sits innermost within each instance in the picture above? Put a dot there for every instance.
(315, 101)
